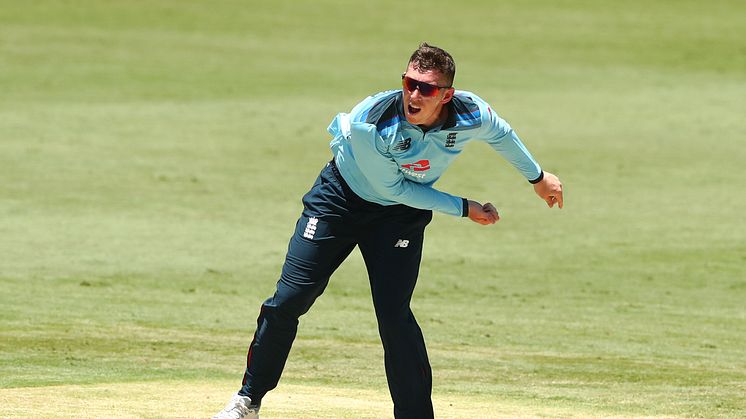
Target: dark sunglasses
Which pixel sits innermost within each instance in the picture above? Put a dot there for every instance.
(425, 89)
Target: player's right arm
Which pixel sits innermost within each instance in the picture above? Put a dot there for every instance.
(384, 176)
(362, 152)
(386, 179)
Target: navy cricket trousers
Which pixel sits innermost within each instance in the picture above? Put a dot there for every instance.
(390, 238)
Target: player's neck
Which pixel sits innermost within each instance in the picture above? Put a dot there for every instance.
(440, 120)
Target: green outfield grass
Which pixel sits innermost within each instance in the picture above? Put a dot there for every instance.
(153, 156)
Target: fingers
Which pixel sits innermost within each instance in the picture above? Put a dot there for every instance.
(554, 199)
(550, 190)
(483, 219)
(491, 212)
(484, 214)
(556, 195)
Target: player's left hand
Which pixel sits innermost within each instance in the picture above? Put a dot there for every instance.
(550, 190)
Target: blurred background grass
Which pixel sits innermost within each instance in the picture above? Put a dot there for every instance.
(153, 155)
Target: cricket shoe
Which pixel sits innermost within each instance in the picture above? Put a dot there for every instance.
(240, 407)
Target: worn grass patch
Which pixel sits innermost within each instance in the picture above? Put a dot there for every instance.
(203, 399)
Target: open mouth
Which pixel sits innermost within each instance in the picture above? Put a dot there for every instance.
(413, 110)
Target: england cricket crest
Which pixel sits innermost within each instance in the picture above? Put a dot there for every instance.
(451, 139)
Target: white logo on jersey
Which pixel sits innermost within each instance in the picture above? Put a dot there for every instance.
(412, 173)
(401, 243)
(310, 228)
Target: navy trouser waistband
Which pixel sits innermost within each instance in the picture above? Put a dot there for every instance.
(351, 195)
(338, 175)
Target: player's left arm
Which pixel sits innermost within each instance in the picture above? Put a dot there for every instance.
(504, 139)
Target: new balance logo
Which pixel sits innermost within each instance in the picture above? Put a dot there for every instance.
(310, 228)
(401, 243)
(403, 145)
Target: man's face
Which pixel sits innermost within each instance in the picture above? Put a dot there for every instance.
(421, 109)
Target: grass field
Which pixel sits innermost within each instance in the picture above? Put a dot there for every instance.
(153, 155)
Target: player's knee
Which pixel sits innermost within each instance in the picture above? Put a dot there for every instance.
(395, 322)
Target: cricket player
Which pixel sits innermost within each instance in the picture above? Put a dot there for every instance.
(378, 193)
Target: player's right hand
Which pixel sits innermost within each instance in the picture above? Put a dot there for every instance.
(483, 214)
